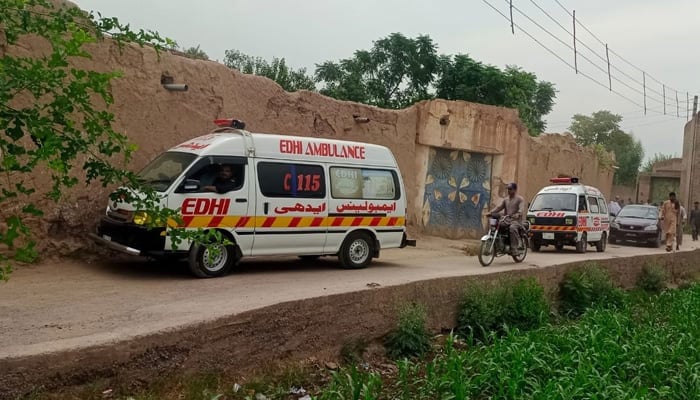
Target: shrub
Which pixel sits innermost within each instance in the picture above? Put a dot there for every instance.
(481, 311)
(527, 306)
(411, 337)
(652, 279)
(486, 309)
(353, 350)
(588, 287)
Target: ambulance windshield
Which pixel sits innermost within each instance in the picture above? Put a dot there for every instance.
(161, 172)
(554, 201)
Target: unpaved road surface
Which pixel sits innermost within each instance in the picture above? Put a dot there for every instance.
(70, 305)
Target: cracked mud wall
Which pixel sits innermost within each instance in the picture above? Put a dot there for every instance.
(156, 119)
(553, 155)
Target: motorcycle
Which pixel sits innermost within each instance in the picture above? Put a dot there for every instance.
(496, 242)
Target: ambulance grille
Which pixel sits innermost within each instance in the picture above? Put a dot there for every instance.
(549, 221)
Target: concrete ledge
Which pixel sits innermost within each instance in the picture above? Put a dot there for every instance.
(287, 331)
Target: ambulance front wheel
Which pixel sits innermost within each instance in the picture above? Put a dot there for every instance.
(582, 245)
(213, 260)
(356, 251)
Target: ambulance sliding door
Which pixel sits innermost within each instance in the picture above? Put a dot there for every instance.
(291, 209)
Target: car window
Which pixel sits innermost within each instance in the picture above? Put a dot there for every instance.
(291, 180)
(554, 201)
(593, 204)
(603, 205)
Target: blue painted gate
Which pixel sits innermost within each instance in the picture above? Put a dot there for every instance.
(457, 189)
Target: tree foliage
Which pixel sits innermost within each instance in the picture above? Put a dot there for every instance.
(603, 128)
(53, 119)
(463, 78)
(658, 157)
(291, 80)
(397, 72)
(196, 53)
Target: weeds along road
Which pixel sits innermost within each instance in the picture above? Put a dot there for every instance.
(70, 305)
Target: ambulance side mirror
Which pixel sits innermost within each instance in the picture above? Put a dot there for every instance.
(190, 185)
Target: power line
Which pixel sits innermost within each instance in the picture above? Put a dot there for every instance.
(573, 49)
(578, 21)
(661, 100)
(559, 57)
(603, 59)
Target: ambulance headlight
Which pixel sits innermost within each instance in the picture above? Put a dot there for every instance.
(569, 221)
(140, 217)
(531, 220)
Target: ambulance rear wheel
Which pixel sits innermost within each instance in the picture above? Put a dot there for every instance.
(212, 261)
(600, 245)
(356, 251)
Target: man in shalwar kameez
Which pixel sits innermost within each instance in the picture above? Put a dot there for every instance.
(669, 219)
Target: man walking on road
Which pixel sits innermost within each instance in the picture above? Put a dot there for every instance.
(669, 219)
(682, 217)
(695, 220)
(614, 206)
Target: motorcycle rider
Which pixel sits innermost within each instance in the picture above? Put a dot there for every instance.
(514, 206)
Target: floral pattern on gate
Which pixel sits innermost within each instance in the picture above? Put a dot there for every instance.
(457, 189)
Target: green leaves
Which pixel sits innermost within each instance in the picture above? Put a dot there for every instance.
(44, 99)
(276, 70)
(603, 128)
(397, 72)
(463, 78)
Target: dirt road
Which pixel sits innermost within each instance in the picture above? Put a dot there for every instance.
(65, 305)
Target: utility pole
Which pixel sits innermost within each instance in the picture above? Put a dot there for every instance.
(694, 121)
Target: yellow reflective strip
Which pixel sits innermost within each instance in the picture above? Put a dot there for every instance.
(281, 222)
(347, 221)
(200, 222)
(305, 222)
(229, 221)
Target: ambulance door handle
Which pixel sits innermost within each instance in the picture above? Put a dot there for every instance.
(266, 206)
(241, 200)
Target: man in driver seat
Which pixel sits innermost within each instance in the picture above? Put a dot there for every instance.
(514, 208)
(225, 182)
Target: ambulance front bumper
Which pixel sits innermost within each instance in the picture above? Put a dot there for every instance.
(106, 241)
(128, 238)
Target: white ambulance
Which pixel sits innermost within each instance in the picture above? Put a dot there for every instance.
(569, 213)
(278, 195)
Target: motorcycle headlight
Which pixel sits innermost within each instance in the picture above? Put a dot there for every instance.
(615, 225)
(140, 217)
(650, 228)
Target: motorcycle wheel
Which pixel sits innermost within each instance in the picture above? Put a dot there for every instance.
(521, 257)
(486, 257)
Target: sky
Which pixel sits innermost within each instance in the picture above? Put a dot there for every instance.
(657, 37)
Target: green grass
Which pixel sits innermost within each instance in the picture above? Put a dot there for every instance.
(487, 310)
(410, 338)
(652, 279)
(647, 347)
(587, 287)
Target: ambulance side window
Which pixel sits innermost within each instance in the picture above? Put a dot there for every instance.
(603, 206)
(593, 202)
(582, 203)
(206, 171)
(291, 180)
